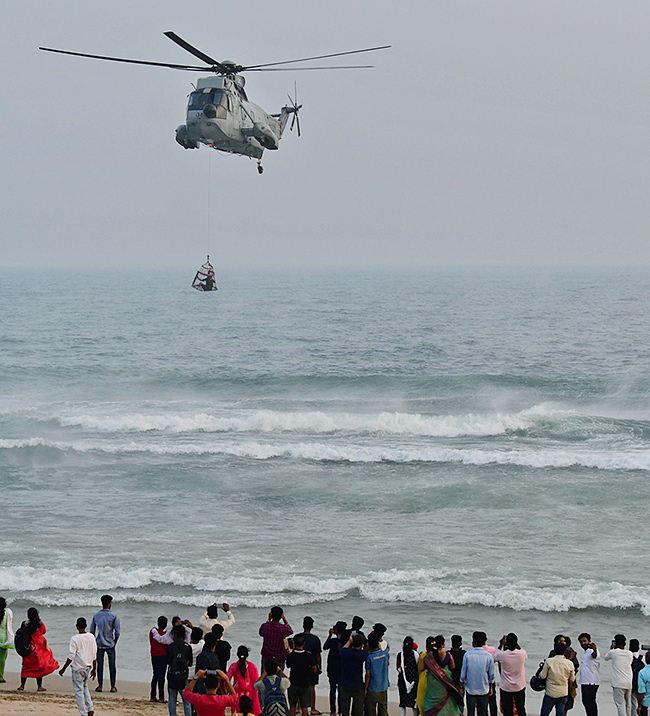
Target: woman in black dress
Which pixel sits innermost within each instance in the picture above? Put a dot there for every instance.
(407, 677)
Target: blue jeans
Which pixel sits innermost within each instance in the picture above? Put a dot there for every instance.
(548, 703)
(110, 653)
(172, 696)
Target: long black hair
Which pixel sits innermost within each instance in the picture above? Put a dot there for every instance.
(34, 623)
(3, 606)
(242, 655)
(438, 643)
(407, 646)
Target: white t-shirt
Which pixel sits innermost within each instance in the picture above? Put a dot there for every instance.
(621, 667)
(83, 651)
(589, 669)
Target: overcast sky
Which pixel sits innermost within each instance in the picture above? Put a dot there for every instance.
(493, 132)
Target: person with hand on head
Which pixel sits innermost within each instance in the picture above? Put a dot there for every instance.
(621, 659)
(272, 687)
(589, 674)
(210, 618)
(212, 703)
(303, 667)
(105, 626)
(353, 658)
(273, 633)
(333, 647)
(511, 659)
(82, 655)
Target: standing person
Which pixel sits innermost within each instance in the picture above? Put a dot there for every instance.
(273, 633)
(407, 677)
(559, 674)
(243, 674)
(458, 653)
(333, 645)
(644, 687)
(158, 661)
(106, 627)
(637, 666)
(179, 660)
(168, 638)
(82, 655)
(512, 659)
(40, 661)
(380, 630)
(222, 649)
(196, 642)
(621, 659)
(313, 646)
(210, 618)
(6, 636)
(477, 675)
(492, 699)
(376, 686)
(353, 657)
(212, 703)
(438, 696)
(272, 687)
(207, 660)
(303, 666)
(589, 674)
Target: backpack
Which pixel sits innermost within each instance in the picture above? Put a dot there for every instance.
(179, 670)
(275, 702)
(23, 641)
(536, 682)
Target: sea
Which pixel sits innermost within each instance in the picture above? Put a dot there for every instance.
(440, 450)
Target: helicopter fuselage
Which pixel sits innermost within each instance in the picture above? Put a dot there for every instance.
(220, 116)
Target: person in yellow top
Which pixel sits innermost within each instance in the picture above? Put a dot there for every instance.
(559, 673)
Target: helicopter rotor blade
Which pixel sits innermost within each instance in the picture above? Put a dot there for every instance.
(191, 49)
(299, 69)
(132, 62)
(317, 57)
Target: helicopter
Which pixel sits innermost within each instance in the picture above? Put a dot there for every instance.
(219, 113)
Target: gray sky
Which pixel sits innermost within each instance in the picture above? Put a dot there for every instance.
(493, 132)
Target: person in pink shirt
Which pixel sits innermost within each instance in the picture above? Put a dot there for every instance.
(511, 659)
(243, 675)
(211, 703)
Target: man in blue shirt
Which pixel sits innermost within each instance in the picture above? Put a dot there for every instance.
(477, 675)
(353, 657)
(644, 687)
(105, 626)
(376, 678)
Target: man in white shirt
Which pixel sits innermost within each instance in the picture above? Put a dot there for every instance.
(83, 657)
(621, 659)
(589, 674)
(209, 619)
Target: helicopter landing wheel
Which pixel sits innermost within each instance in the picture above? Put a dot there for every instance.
(260, 168)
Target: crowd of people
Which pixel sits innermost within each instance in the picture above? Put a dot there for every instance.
(195, 664)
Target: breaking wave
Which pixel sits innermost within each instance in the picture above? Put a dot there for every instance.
(632, 459)
(68, 587)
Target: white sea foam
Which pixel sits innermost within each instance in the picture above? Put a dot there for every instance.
(68, 587)
(632, 459)
(268, 421)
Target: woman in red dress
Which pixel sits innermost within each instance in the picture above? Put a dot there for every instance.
(243, 675)
(40, 661)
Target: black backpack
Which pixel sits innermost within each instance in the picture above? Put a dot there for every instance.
(23, 641)
(275, 702)
(179, 669)
(637, 665)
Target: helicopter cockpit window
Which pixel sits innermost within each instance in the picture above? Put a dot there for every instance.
(218, 98)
